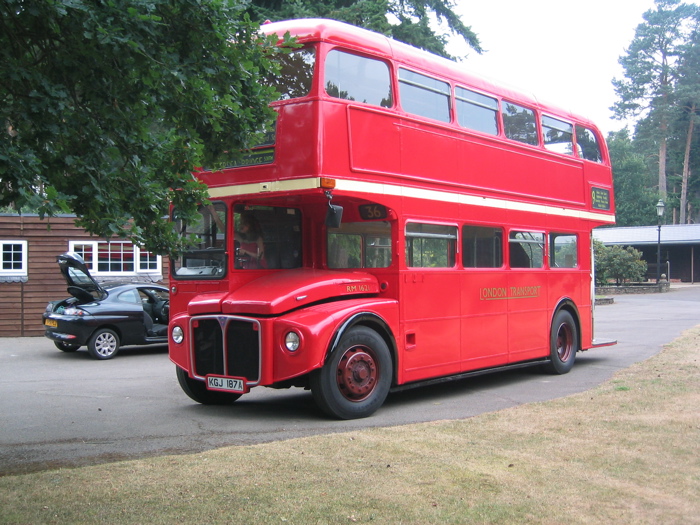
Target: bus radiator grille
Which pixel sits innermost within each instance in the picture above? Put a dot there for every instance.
(237, 340)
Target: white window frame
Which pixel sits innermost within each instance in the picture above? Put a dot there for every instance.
(92, 264)
(21, 272)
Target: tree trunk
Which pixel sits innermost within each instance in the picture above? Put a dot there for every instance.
(686, 163)
(662, 162)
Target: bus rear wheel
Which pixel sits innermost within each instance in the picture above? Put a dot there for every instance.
(355, 380)
(563, 343)
(198, 392)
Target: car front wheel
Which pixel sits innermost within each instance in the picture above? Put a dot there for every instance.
(104, 344)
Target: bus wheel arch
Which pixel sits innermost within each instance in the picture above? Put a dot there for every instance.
(358, 370)
(564, 339)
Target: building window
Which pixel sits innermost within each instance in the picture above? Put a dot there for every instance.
(116, 258)
(14, 258)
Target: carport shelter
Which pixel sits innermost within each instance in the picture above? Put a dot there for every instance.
(680, 247)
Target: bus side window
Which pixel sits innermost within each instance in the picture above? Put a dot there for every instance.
(482, 247)
(424, 96)
(362, 79)
(563, 250)
(558, 135)
(296, 73)
(526, 249)
(519, 123)
(476, 111)
(430, 245)
(587, 143)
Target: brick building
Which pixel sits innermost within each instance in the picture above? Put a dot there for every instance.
(29, 274)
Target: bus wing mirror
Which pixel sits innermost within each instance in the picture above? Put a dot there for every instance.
(334, 216)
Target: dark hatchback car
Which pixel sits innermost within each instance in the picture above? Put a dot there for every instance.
(105, 317)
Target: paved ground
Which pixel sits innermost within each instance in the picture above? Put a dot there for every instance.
(67, 409)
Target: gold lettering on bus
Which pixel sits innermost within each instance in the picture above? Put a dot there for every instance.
(495, 293)
(350, 288)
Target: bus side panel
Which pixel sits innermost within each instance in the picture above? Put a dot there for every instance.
(430, 327)
(374, 141)
(484, 326)
(528, 314)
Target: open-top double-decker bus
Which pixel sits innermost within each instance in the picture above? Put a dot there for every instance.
(406, 222)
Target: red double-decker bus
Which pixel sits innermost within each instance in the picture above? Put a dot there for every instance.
(406, 222)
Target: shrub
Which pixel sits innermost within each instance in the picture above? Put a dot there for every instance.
(618, 264)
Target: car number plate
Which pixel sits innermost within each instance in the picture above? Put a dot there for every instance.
(226, 384)
(51, 322)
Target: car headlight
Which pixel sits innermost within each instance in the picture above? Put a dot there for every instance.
(292, 341)
(178, 335)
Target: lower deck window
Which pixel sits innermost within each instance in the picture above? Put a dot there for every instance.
(526, 249)
(430, 245)
(360, 245)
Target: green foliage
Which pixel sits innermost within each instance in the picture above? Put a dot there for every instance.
(618, 264)
(412, 18)
(634, 201)
(108, 105)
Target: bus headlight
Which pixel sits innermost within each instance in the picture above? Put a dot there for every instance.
(292, 341)
(178, 335)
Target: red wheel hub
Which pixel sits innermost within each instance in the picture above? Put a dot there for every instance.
(564, 342)
(357, 373)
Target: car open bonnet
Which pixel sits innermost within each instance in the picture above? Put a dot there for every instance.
(81, 285)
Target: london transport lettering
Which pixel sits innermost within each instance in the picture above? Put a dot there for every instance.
(514, 292)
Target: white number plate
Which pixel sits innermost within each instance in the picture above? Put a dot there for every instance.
(227, 384)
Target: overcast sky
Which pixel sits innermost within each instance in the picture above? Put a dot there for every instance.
(564, 52)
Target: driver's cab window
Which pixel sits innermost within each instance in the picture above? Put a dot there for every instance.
(205, 235)
(360, 245)
(266, 237)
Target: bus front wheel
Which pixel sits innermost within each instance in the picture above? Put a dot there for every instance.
(355, 380)
(563, 343)
(198, 392)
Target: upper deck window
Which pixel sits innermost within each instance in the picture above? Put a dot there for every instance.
(558, 135)
(424, 96)
(296, 74)
(362, 79)
(519, 123)
(587, 144)
(476, 111)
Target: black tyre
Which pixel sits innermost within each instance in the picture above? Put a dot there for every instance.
(563, 343)
(355, 380)
(65, 347)
(198, 392)
(104, 344)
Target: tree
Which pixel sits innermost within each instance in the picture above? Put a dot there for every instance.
(108, 105)
(688, 94)
(412, 18)
(634, 201)
(651, 70)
